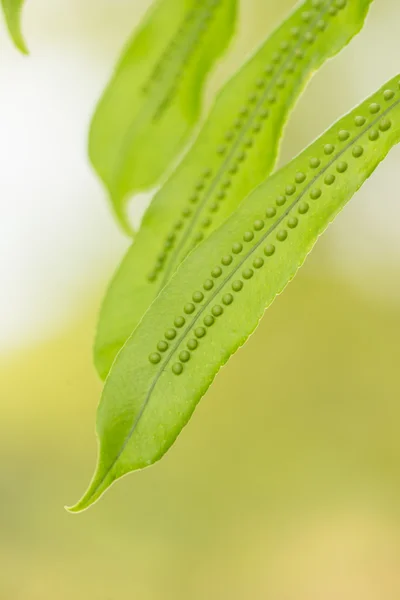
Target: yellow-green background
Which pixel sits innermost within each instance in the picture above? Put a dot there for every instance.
(286, 483)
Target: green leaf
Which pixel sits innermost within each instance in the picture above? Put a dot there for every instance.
(12, 11)
(219, 293)
(153, 101)
(235, 151)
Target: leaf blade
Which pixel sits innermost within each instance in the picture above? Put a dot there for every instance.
(243, 168)
(147, 399)
(153, 101)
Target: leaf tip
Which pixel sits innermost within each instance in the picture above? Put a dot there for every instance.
(77, 508)
(20, 44)
(83, 504)
(98, 485)
(91, 496)
(119, 206)
(13, 22)
(23, 48)
(19, 41)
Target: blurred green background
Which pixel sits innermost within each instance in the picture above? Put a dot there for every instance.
(285, 485)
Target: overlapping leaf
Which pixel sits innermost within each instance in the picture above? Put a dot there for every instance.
(12, 12)
(219, 293)
(235, 151)
(154, 99)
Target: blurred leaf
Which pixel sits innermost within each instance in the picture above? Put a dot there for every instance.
(154, 99)
(12, 11)
(218, 295)
(235, 151)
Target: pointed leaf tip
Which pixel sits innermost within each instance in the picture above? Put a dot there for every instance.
(12, 11)
(95, 490)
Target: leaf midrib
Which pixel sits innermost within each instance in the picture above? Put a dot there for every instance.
(225, 164)
(172, 41)
(188, 51)
(148, 108)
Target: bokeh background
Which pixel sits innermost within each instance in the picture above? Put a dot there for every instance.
(286, 483)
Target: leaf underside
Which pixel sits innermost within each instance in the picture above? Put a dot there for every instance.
(12, 12)
(235, 151)
(153, 101)
(219, 293)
